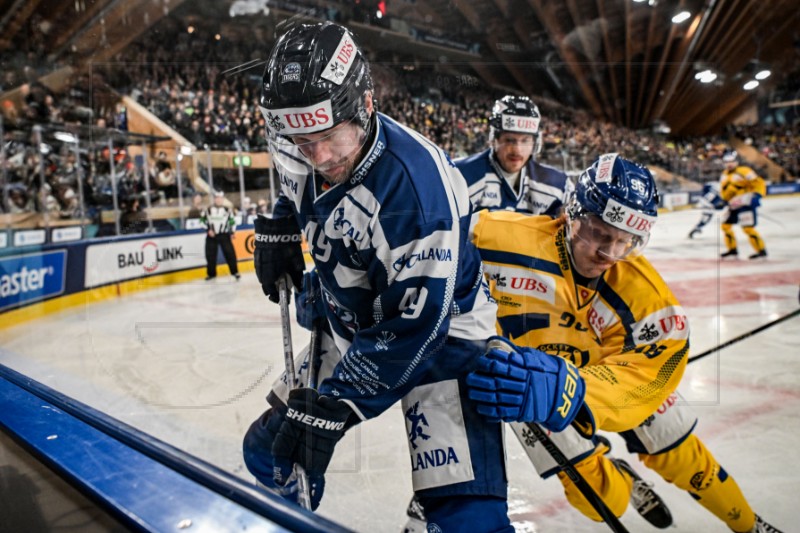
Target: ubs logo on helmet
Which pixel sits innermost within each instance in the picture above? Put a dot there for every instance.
(341, 60)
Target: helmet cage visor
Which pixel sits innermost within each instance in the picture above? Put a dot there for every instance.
(611, 237)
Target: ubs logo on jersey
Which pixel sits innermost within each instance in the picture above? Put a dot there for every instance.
(433, 458)
(667, 323)
(669, 402)
(431, 254)
(529, 284)
(499, 279)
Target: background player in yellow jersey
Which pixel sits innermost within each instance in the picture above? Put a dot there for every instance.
(578, 288)
(742, 188)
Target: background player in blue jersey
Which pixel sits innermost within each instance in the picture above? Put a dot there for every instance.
(386, 216)
(506, 175)
(709, 202)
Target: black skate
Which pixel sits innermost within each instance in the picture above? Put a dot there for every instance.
(759, 255)
(695, 232)
(644, 499)
(733, 252)
(762, 527)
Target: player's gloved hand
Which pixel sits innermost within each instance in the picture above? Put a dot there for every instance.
(309, 304)
(277, 252)
(312, 427)
(257, 453)
(517, 384)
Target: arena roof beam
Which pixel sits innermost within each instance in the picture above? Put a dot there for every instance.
(547, 16)
(15, 19)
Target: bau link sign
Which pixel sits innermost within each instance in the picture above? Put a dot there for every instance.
(118, 261)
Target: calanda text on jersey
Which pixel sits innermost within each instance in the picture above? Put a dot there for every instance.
(629, 336)
(397, 271)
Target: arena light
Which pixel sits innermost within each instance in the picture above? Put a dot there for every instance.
(639, 1)
(764, 74)
(186, 150)
(680, 17)
(65, 137)
(706, 76)
(750, 85)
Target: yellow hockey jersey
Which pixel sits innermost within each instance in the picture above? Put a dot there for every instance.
(629, 336)
(741, 180)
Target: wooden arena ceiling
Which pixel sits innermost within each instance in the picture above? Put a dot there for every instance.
(624, 61)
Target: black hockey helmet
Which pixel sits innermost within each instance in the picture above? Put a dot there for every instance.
(515, 114)
(316, 77)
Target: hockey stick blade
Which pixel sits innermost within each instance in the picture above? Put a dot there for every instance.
(744, 336)
(576, 477)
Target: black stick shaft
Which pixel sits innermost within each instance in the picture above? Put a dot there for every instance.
(576, 477)
(744, 336)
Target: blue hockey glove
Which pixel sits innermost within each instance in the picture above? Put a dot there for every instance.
(312, 427)
(257, 452)
(277, 252)
(517, 384)
(309, 303)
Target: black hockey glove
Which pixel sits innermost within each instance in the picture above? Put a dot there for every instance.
(312, 427)
(259, 461)
(278, 252)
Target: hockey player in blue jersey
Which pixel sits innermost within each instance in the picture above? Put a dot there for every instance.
(709, 202)
(407, 310)
(506, 175)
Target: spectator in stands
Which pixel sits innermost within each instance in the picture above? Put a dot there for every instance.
(196, 210)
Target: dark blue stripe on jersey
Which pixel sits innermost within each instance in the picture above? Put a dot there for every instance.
(525, 261)
(515, 326)
(623, 311)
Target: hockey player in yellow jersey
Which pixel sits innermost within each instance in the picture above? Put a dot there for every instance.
(742, 189)
(578, 287)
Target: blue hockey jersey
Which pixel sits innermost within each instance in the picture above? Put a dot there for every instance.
(543, 190)
(397, 271)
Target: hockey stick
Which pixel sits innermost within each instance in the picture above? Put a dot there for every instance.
(744, 336)
(304, 491)
(569, 469)
(315, 346)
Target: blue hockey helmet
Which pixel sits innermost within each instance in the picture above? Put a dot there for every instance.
(316, 77)
(619, 193)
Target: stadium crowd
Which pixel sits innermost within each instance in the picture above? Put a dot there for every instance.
(192, 84)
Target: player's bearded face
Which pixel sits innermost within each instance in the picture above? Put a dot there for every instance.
(513, 150)
(334, 153)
